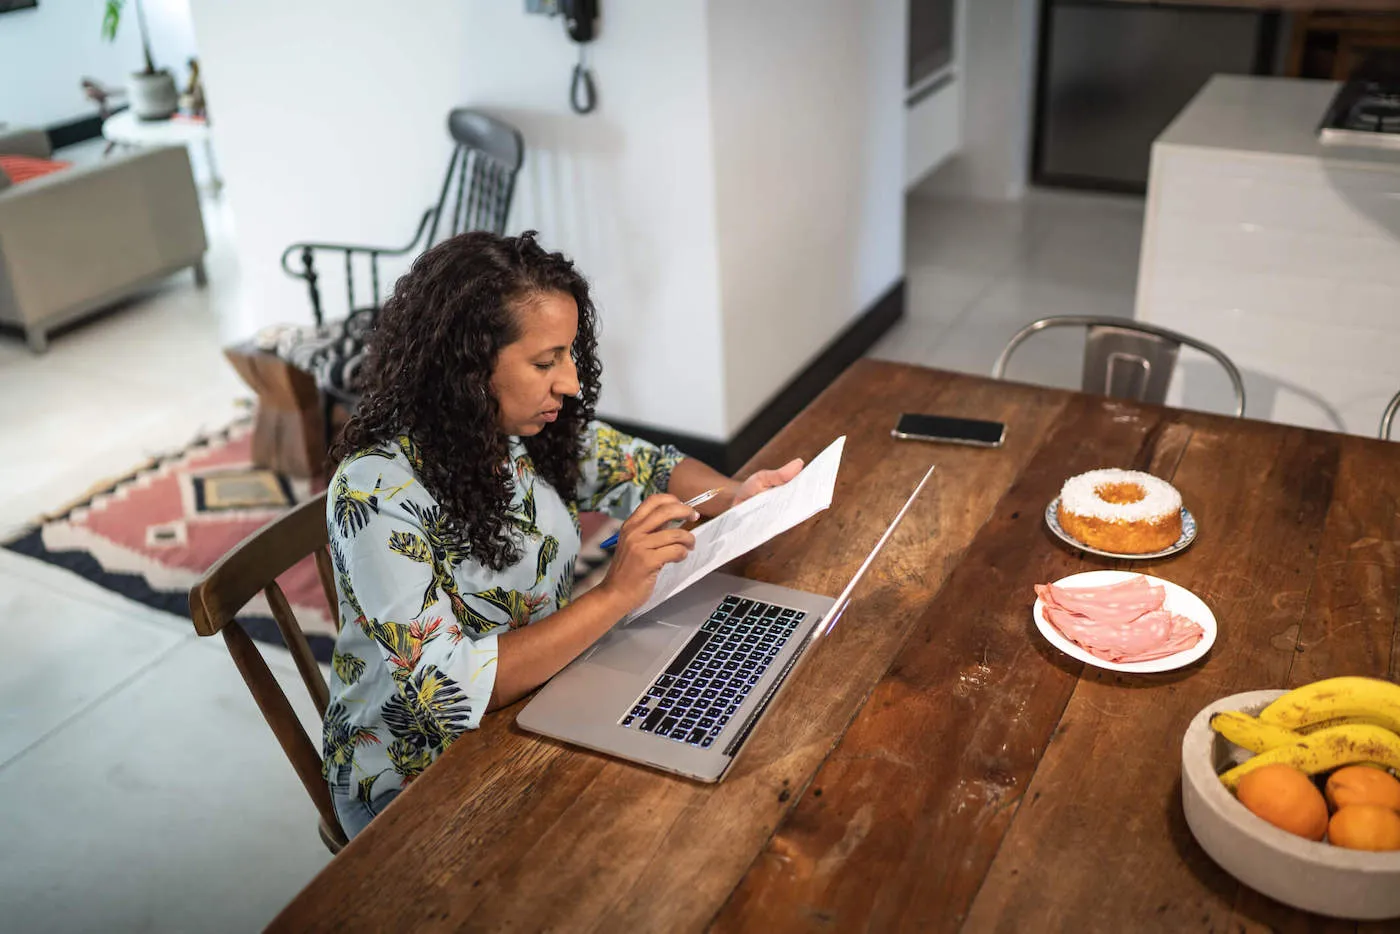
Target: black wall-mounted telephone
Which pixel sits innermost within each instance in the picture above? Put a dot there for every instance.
(580, 18)
(581, 23)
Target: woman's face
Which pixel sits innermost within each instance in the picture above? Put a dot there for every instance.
(535, 373)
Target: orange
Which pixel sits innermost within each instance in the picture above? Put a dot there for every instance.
(1286, 798)
(1365, 827)
(1362, 784)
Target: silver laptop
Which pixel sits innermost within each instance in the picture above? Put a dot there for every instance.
(682, 687)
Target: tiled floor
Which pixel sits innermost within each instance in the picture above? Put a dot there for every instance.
(142, 790)
(977, 272)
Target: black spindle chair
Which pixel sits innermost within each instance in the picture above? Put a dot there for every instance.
(475, 195)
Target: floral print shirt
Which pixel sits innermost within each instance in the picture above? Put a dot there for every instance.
(415, 660)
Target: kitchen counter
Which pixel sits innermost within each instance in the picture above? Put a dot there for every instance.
(1267, 117)
(1280, 251)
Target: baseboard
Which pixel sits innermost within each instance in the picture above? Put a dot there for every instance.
(848, 346)
(76, 131)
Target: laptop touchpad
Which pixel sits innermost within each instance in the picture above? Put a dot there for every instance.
(636, 647)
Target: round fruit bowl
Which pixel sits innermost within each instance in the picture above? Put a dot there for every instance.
(1316, 877)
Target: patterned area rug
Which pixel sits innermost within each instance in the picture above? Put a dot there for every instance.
(150, 535)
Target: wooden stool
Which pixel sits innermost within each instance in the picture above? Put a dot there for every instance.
(288, 434)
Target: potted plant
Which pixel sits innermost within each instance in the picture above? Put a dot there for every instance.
(152, 91)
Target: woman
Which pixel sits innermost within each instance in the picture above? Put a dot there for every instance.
(454, 512)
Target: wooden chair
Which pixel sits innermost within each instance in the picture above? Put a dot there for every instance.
(1125, 359)
(253, 566)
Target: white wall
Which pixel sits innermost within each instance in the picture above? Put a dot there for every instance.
(735, 199)
(330, 124)
(628, 190)
(45, 52)
(997, 71)
(171, 30)
(807, 98)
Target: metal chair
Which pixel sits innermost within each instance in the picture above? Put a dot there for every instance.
(1125, 359)
(476, 195)
(1388, 418)
(252, 566)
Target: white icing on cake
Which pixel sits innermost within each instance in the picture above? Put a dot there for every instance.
(1079, 497)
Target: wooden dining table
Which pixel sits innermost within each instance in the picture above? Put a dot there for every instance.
(934, 764)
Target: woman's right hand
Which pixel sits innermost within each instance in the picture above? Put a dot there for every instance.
(644, 546)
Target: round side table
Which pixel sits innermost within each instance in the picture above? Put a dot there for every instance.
(124, 128)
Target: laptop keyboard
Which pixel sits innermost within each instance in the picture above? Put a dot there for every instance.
(692, 700)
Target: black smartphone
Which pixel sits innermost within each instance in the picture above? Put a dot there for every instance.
(946, 428)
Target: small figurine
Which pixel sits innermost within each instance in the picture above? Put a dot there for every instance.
(192, 101)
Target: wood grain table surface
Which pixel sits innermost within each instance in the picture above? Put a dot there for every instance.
(935, 765)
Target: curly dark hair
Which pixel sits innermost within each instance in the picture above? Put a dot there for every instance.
(427, 375)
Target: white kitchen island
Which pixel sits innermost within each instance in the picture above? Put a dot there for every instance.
(1281, 251)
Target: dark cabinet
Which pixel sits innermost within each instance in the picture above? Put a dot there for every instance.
(1113, 75)
(930, 38)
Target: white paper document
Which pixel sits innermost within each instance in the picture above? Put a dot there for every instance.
(750, 524)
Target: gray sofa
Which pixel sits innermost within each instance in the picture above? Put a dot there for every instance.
(83, 238)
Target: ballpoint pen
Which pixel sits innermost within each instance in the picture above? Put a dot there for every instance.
(704, 497)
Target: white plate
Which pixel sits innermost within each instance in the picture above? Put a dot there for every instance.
(1179, 600)
(1188, 535)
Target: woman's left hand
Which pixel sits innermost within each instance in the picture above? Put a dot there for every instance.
(766, 480)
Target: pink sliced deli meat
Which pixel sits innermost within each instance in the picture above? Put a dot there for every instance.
(1116, 603)
(1184, 634)
(1119, 623)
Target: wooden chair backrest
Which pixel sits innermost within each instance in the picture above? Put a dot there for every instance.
(253, 566)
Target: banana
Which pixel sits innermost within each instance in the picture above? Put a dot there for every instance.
(1252, 733)
(1370, 699)
(1340, 721)
(1327, 749)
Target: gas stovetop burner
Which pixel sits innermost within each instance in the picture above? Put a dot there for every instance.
(1378, 111)
(1365, 112)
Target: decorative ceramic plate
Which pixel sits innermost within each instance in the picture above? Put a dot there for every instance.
(1188, 535)
(1179, 601)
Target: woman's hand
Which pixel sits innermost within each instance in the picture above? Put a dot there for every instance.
(644, 545)
(766, 480)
